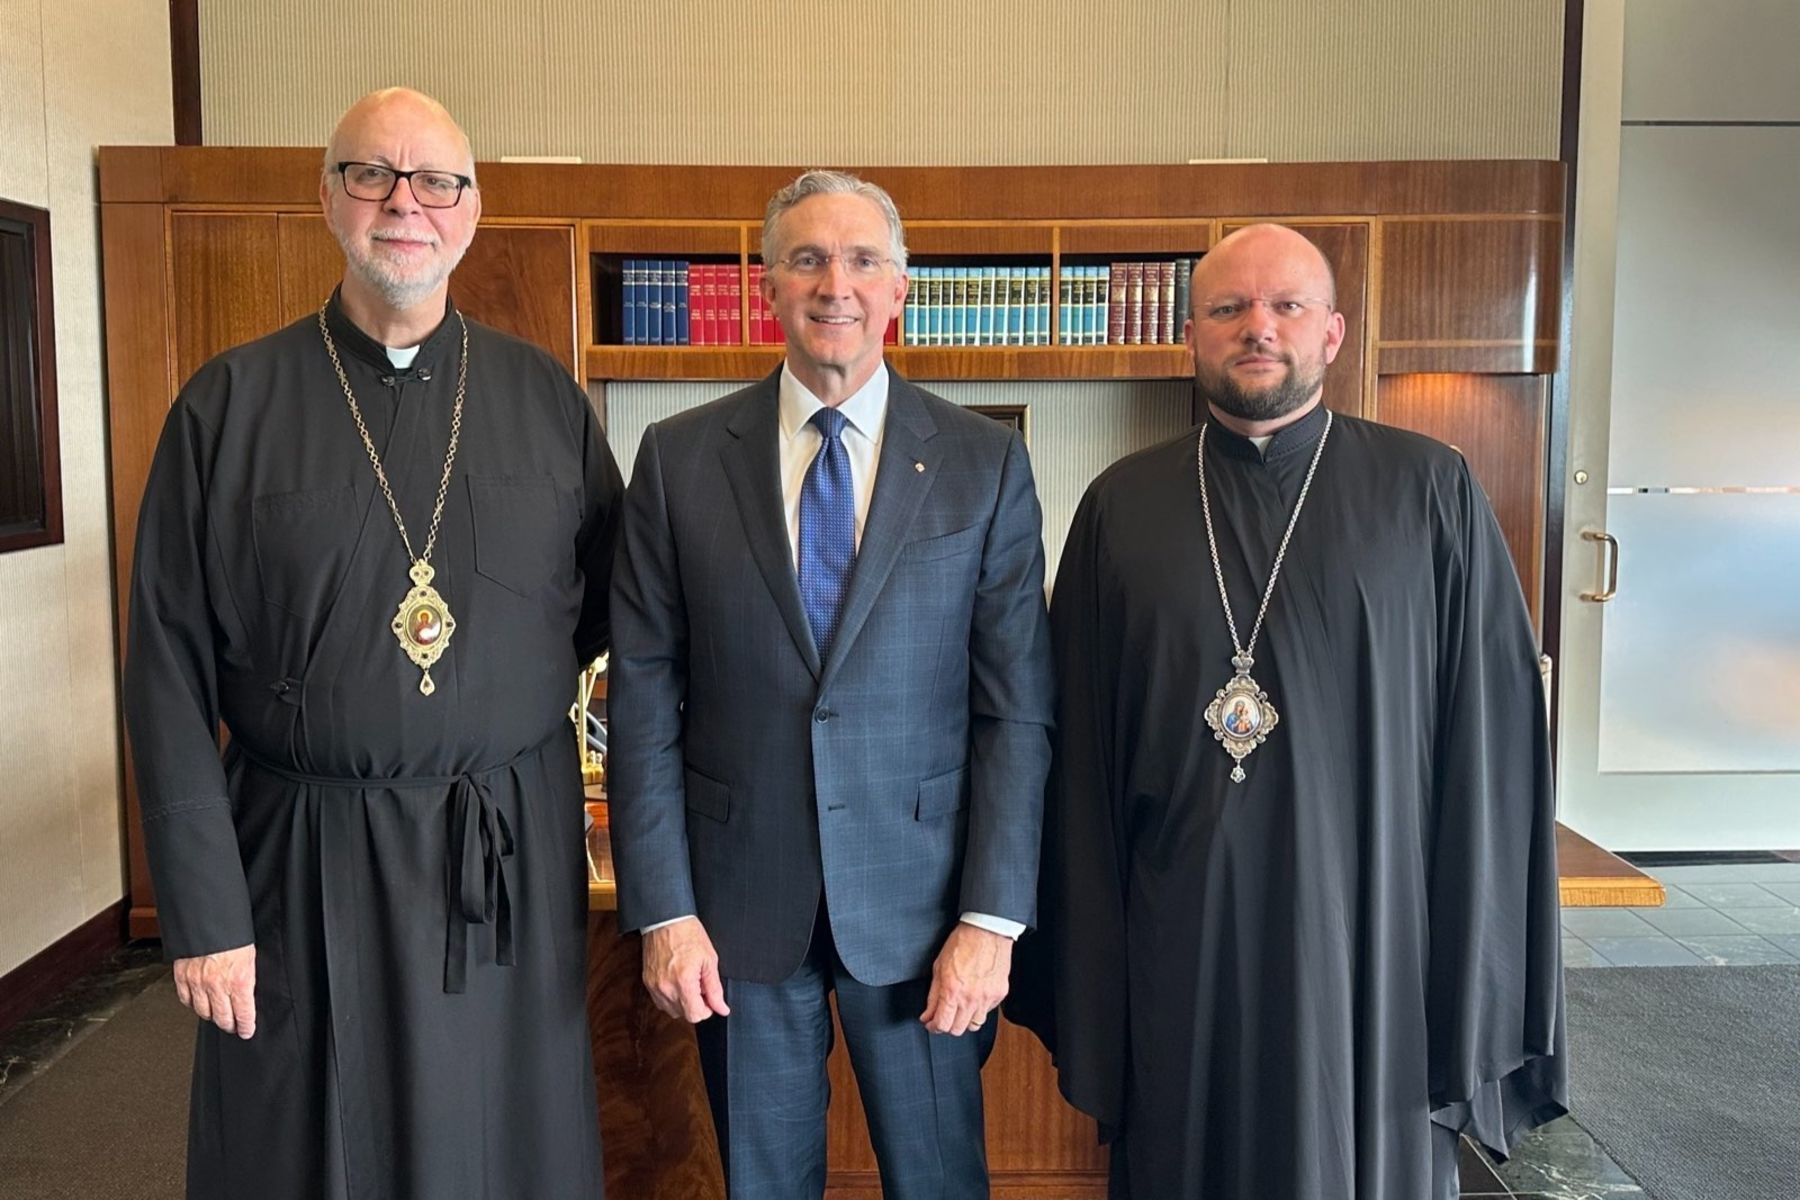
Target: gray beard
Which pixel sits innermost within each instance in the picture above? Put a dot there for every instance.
(400, 294)
(1271, 403)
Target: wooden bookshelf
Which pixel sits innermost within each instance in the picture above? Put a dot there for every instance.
(611, 363)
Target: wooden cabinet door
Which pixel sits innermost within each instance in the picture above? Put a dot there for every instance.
(517, 278)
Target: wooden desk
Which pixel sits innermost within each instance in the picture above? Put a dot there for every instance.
(1590, 877)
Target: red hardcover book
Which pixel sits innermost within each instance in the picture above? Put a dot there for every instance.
(1153, 309)
(1171, 321)
(753, 304)
(696, 304)
(735, 306)
(1134, 303)
(733, 294)
(707, 322)
(771, 332)
(718, 299)
(892, 336)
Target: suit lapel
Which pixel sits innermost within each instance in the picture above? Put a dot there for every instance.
(752, 463)
(900, 488)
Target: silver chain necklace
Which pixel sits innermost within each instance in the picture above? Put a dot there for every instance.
(1241, 715)
(423, 623)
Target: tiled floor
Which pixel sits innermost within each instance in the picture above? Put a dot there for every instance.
(34, 1044)
(1715, 916)
(1728, 915)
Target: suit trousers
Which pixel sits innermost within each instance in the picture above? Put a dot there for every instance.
(765, 1078)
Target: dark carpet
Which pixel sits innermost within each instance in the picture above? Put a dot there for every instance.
(1690, 1077)
(109, 1120)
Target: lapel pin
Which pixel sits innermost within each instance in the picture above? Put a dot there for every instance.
(919, 467)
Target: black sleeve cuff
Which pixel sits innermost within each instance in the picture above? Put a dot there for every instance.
(202, 899)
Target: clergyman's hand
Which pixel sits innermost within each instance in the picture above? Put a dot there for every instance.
(968, 980)
(220, 988)
(681, 971)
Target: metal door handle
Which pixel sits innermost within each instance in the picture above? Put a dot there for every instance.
(1612, 570)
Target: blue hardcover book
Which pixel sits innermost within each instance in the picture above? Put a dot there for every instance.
(683, 306)
(944, 303)
(1082, 321)
(1015, 306)
(984, 307)
(1099, 283)
(670, 274)
(649, 303)
(662, 314)
(1041, 281)
(1065, 303)
(934, 316)
(959, 306)
(650, 307)
(628, 326)
(909, 319)
(643, 303)
(1030, 306)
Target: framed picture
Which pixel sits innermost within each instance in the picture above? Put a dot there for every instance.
(30, 468)
(1006, 414)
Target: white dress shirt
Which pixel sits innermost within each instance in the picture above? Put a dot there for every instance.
(865, 421)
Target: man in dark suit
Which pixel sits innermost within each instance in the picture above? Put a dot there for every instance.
(829, 700)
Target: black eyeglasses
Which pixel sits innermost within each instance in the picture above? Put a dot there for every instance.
(374, 182)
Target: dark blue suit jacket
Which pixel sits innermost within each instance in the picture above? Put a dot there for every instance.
(904, 774)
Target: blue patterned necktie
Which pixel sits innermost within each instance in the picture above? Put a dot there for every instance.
(827, 530)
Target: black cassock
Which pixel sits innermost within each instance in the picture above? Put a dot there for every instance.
(410, 868)
(1302, 985)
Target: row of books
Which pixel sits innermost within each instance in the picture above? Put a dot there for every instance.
(978, 306)
(666, 302)
(1122, 304)
(670, 302)
(1146, 302)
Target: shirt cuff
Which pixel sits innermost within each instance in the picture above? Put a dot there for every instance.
(999, 925)
(665, 924)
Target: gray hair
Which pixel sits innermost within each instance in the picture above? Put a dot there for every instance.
(834, 183)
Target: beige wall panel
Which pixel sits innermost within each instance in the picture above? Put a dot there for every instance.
(1377, 79)
(21, 103)
(1075, 429)
(925, 82)
(1712, 62)
(103, 78)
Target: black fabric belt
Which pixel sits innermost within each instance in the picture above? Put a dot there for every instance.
(481, 846)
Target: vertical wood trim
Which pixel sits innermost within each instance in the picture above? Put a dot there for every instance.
(184, 70)
(140, 373)
(583, 266)
(1372, 322)
(1556, 448)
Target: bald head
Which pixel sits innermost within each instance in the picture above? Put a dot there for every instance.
(1278, 259)
(381, 115)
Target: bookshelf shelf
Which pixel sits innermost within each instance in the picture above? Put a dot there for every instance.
(609, 363)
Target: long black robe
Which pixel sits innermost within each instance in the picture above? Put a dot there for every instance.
(1300, 986)
(410, 868)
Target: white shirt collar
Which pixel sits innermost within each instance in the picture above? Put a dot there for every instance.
(865, 410)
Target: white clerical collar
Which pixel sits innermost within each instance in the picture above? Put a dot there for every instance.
(864, 410)
(1262, 443)
(402, 357)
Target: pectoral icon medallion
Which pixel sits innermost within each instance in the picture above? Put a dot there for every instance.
(423, 624)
